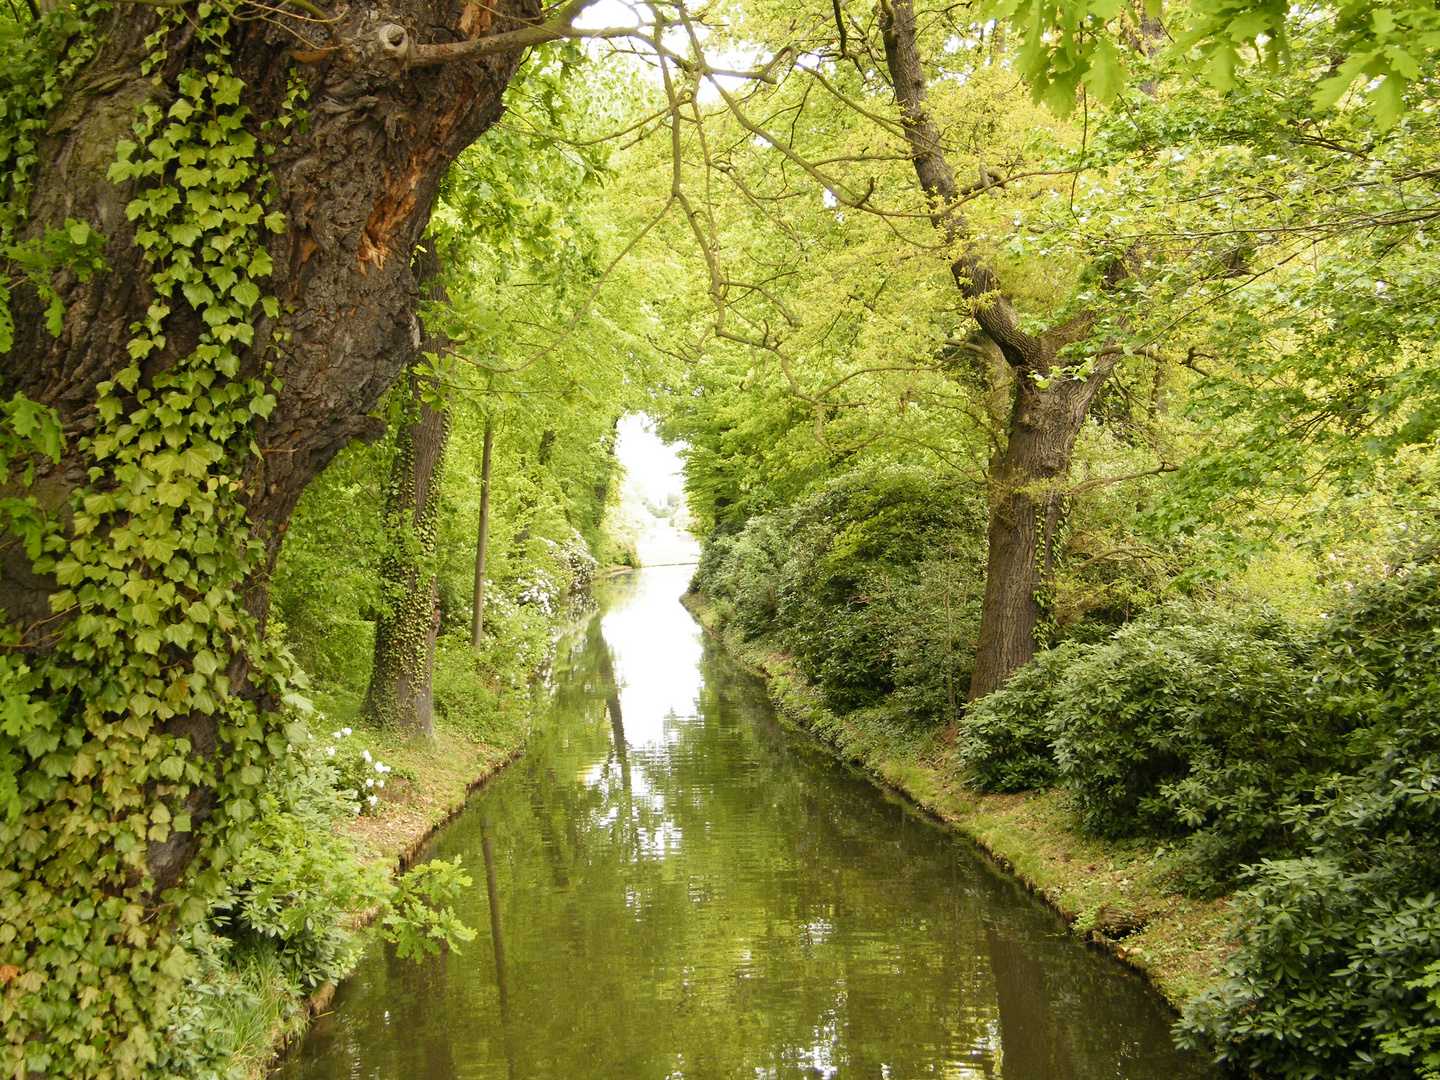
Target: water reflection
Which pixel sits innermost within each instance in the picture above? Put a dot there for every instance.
(677, 887)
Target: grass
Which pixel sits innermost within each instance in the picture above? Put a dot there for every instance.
(1120, 896)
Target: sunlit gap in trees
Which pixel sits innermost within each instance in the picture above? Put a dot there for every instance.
(611, 13)
(652, 501)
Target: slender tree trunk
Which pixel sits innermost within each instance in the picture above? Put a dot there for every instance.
(1027, 475)
(482, 540)
(401, 679)
(400, 693)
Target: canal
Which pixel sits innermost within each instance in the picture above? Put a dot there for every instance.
(672, 884)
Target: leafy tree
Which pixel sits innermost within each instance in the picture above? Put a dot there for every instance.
(254, 194)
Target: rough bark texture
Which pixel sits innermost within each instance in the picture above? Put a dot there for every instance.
(1027, 477)
(1026, 509)
(356, 183)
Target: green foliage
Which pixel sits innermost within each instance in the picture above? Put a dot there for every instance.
(1389, 48)
(1005, 742)
(1331, 974)
(419, 921)
(1304, 765)
(284, 925)
(1185, 723)
(872, 583)
(1159, 728)
(288, 886)
(1069, 47)
(76, 247)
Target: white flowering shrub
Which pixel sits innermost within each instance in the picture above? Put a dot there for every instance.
(576, 562)
(358, 774)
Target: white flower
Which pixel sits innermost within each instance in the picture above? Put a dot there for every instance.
(379, 783)
(346, 731)
(366, 755)
(380, 768)
(373, 799)
(336, 735)
(369, 781)
(329, 751)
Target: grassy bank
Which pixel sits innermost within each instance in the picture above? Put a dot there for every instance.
(1116, 895)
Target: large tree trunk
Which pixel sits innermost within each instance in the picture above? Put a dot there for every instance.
(1026, 505)
(356, 183)
(1026, 478)
(158, 724)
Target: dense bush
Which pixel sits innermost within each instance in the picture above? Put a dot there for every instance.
(1307, 768)
(1161, 729)
(745, 571)
(1185, 722)
(872, 584)
(1339, 945)
(1006, 741)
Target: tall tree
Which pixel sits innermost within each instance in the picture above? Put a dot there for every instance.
(400, 692)
(482, 534)
(1048, 409)
(258, 179)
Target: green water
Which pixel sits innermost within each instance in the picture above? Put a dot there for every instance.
(670, 884)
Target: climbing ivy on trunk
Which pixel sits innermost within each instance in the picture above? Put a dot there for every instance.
(255, 275)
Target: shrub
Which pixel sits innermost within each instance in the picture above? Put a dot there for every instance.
(1004, 743)
(1188, 723)
(881, 592)
(1173, 726)
(873, 584)
(1337, 947)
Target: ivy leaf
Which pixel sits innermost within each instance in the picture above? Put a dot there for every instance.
(247, 293)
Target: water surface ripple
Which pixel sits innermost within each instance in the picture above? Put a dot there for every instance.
(669, 884)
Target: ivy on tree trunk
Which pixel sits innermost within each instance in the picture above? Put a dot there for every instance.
(260, 186)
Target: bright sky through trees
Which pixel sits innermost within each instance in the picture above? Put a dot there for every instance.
(654, 467)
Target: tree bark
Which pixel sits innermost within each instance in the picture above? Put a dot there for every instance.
(1026, 512)
(356, 182)
(402, 677)
(482, 540)
(1027, 476)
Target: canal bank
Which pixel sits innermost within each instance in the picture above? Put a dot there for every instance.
(1117, 897)
(436, 780)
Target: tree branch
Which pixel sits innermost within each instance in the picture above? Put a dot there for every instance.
(558, 28)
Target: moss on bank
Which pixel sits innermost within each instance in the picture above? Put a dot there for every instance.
(1117, 895)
